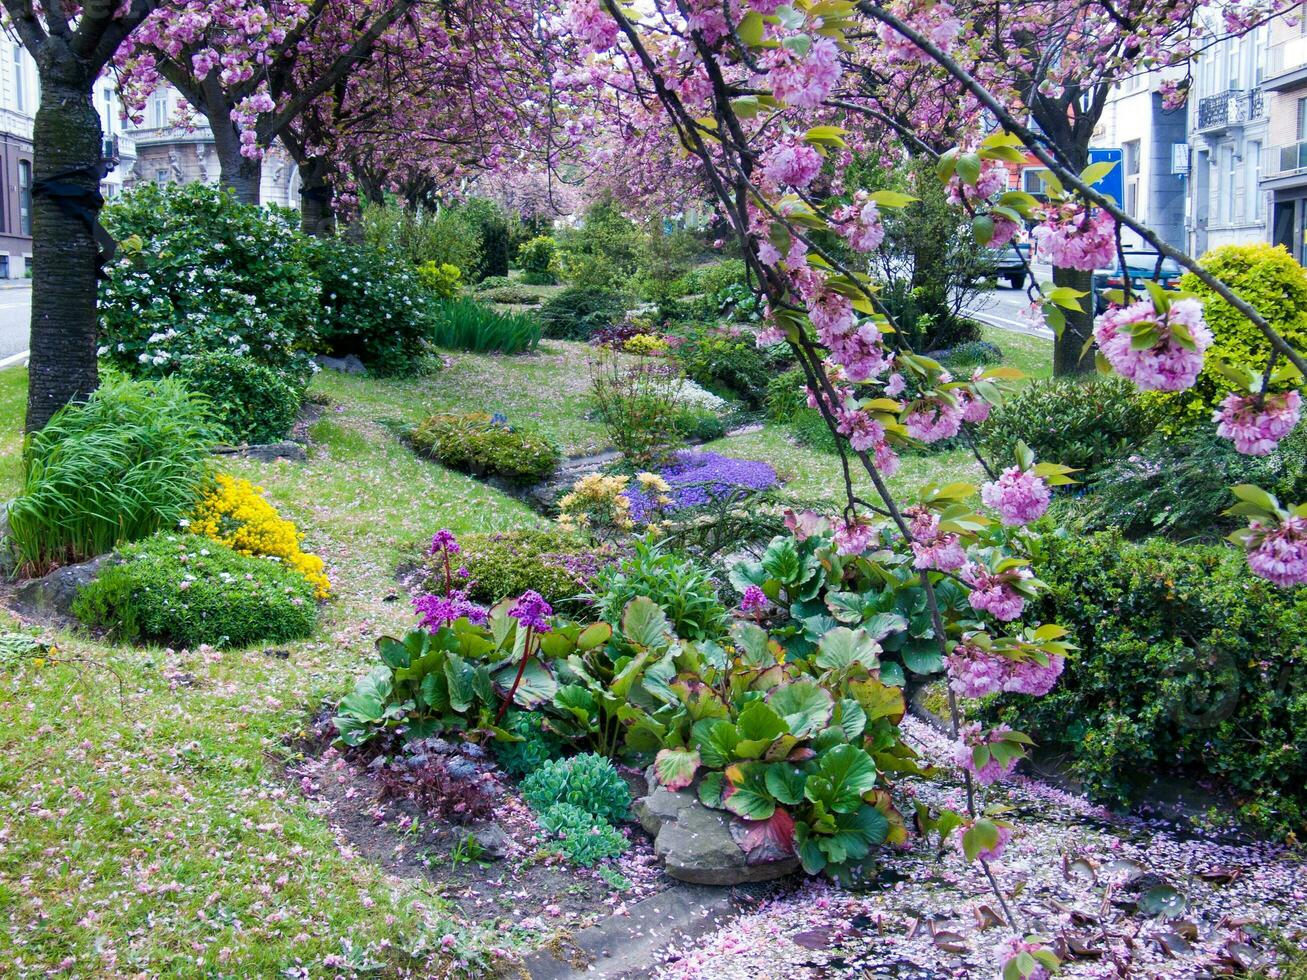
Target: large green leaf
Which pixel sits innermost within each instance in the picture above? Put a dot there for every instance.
(749, 797)
(851, 718)
(843, 647)
(758, 725)
(843, 774)
(922, 656)
(856, 834)
(537, 685)
(878, 699)
(459, 673)
(367, 701)
(594, 635)
(645, 624)
(751, 643)
(716, 739)
(805, 707)
(675, 768)
(578, 702)
(781, 560)
(394, 653)
(785, 782)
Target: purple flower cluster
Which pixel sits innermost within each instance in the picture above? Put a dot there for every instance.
(532, 611)
(974, 672)
(441, 610)
(753, 600)
(444, 541)
(698, 478)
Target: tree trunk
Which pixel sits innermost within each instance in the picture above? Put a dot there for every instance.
(1067, 348)
(237, 173)
(317, 217)
(65, 326)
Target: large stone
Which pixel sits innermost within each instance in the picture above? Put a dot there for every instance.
(695, 842)
(268, 452)
(349, 364)
(50, 599)
(494, 841)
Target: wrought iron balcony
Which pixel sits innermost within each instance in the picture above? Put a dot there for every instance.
(1233, 108)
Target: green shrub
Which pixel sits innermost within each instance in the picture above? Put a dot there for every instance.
(374, 307)
(536, 258)
(787, 395)
(581, 838)
(558, 565)
(466, 324)
(537, 747)
(493, 282)
(415, 236)
(1269, 278)
(184, 590)
(1178, 486)
(478, 443)
(969, 354)
(589, 782)
(256, 403)
(684, 589)
(1078, 423)
(200, 272)
(728, 363)
(708, 279)
(128, 461)
(491, 227)
(1187, 663)
(578, 311)
(518, 295)
(637, 400)
(440, 279)
(698, 424)
(604, 252)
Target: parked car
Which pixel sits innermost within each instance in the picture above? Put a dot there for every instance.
(1011, 263)
(1141, 266)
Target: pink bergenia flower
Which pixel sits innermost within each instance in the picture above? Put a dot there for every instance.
(442, 610)
(1257, 429)
(1018, 495)
(1167, 365)
(993, 593)
(791, 163)
(1279, 554)
(971, 736)
(1068, 241)
(974, 673)
(532, 612)
(933, 419)
(443, 541)
(753, 599)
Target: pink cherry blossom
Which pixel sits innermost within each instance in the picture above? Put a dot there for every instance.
(1257, 429)
(933, 419)
(791, 163)
(970, 736)
(1070, 240)
(804, 82)
(974, 672)
(993, 593)
(1168, 365)
(859, 223)
(1018, 495)
(1279, 554)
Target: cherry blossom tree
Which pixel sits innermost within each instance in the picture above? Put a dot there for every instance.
(71, 44)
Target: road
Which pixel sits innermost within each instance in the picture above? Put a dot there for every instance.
(1006, 308)
(15, 320)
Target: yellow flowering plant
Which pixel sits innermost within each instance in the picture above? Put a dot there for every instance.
(235, 513)
(599, 505)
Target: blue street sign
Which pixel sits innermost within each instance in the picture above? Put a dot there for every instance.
(1113, 185)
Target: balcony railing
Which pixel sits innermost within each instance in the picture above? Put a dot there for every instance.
(1230, 109)
(1292, 157)
(1287, 56)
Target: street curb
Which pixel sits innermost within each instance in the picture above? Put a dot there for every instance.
(15, 359)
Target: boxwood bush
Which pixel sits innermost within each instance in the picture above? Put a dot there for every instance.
(1078, 423)
(1187, 664)
(484, 445)
(184, 590)
(255, 402)
(579, 311)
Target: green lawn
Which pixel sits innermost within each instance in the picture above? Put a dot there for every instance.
(145, 824)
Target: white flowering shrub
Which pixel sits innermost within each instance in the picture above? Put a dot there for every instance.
(200, 273)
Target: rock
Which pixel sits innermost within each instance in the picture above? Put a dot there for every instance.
(349, 364)
(268, 452)
(8, 560)
(50, 599)
(494, 841)
(695, 842)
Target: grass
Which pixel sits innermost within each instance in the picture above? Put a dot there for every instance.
(146, 826)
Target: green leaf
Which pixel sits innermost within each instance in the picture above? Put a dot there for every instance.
(892, 199)
(710, 790)
(969, 168)
(749, 797)
(716, 739)
(371, 692)
(785, 782)
(758, 726)
(675, 768)
(594, 635)
(980, 836)
(843, 647)
(843, 774)
(751, 643)
(537, 685)
(855, 835)
(393, 653)
(459, 674)
(750, 28)
(982, 228)
(850, 717)
(805, 707)
(645, 624)
(1095, 172)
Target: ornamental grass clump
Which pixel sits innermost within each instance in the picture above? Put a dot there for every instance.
(235, 513)
(127, 462)
(464, 323)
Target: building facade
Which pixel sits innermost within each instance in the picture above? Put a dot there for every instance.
(1229, 123)
(1147, 133)
(1285, 167)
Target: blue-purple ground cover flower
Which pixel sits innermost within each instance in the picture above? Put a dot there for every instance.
(697, 478)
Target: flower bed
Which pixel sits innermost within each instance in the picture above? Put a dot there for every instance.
(700, 478)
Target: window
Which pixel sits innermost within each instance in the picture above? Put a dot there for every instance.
(1130, 158)
(1228, 184)
(110, 117)
(20, 80)
(159, 111)
(1252, 168)
(24, 197)
(1302, 119)
(1032, 180)
(161, 177)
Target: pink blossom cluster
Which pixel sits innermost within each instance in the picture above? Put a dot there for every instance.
(993, 178)
(1071, 238)
(1279, 554)
(863, 432)
(931, 549)
(1018, 495)
(933, 419)
(974, 408)
(936, 20)
(855, 536)
(589, 21)
(970, 736)
(992, 592)
(1255, 425)
(859, 223)
(791, 163)
(804, 82)
(858, 352)
(1168, 365)
(975, 672)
